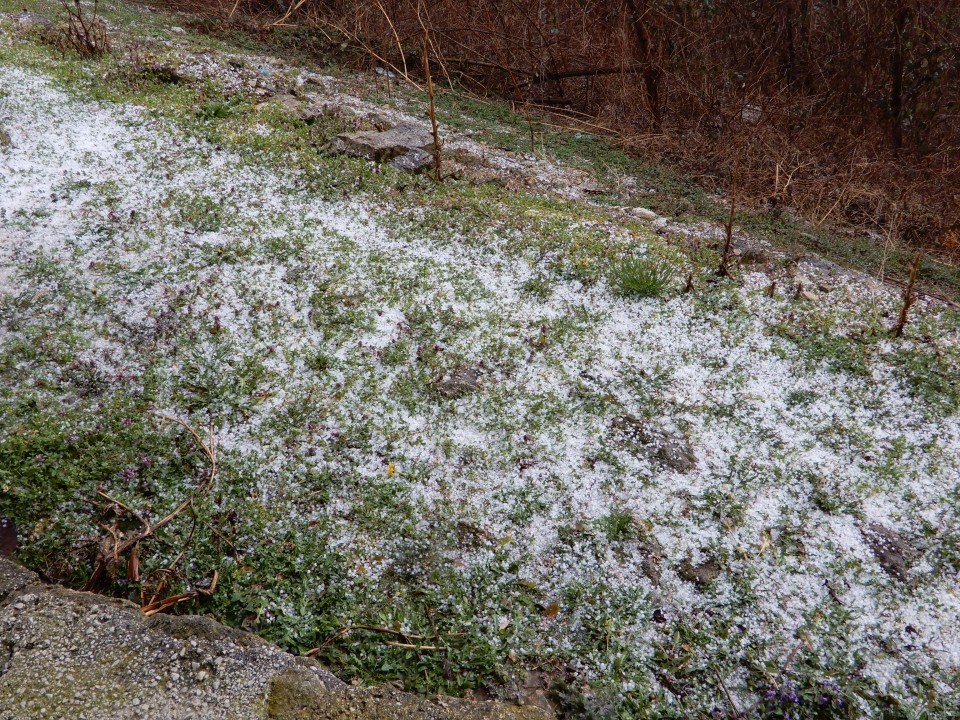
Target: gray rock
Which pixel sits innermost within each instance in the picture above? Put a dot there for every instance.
(298, 695)
(66, 654)
(673, 450)
(14, 578)
(890, 549)
(754, 255)
(310, 114)
(751, 114)
(411, 142)
(33, 21)
(641, 213)
(591, 187)
(379, 121)
(290, 102)
(412, 161)
(651, 552)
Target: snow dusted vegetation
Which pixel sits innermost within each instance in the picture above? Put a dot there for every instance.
(437, 412)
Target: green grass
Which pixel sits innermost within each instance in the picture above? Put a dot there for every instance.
(275, 521)
(641, 278)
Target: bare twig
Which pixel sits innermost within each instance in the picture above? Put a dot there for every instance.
(104, 559)
(790, 657)
(414, 647)
(437, 144)
(724, 269)
(396, 37)
(153, 608)
(723, 685)
(379, 628)
(924, 293)
(347, 629)
(908, 296)
(581, 73)
(291, 9)
(133, 564)
(339, 28)
(124, 506)
(86, 35)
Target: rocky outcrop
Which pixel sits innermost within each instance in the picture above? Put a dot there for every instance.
(66, 654)
(408, 146)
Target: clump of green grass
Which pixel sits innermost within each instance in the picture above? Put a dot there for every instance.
(215, 110)
(619, 526)
(320, 361)
(641, 278)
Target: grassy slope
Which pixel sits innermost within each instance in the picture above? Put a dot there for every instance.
(204, 257)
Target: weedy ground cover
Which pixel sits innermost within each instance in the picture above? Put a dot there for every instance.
(435, 412)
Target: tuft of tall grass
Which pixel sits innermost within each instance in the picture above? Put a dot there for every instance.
(641, 278)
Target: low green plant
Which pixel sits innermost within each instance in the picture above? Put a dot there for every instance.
(320, 361)
(618, 526)
(215, 110)
(641, 278)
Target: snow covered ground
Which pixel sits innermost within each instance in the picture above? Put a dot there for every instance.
(431, 403)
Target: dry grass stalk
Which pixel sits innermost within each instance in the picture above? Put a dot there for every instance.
(158, 606)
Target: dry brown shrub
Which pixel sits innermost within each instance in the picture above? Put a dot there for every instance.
(847, 111)
(85, 33)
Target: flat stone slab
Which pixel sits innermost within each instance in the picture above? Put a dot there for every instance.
(408, 146)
